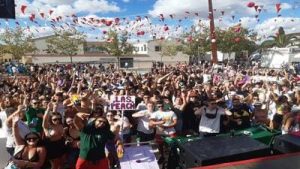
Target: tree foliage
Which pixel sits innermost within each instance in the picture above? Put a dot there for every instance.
(281, 40)
(168, 49)
(16, 42)
(66, 42)
(118, 45)
(230, 41)
(196, 43)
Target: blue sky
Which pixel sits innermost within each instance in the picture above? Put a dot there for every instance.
(151, 13)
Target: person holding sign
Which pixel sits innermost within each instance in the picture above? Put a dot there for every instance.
(165, 122)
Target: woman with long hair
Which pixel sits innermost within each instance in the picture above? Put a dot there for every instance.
(29, 154)
(72, 135)
(54, 137)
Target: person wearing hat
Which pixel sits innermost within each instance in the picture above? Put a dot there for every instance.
(211, 117)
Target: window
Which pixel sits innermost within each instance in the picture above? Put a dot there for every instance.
(126, 62)
(157, 48)
(145, 48)
(137, 49)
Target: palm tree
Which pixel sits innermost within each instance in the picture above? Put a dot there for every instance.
(281, 40)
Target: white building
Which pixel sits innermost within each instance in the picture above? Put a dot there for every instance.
(142, 58)
(276, 57)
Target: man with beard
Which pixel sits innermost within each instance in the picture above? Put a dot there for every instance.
(241, 115)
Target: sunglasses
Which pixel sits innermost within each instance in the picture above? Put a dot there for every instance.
(160, 106)
(101, 121)
(56, 119)
(35, 103)
(32, 139)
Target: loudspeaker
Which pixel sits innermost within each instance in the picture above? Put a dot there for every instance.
(286, 161)
(216, 150)
(287, 143)
(7, 9)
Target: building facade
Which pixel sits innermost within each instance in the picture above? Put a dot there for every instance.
(143, 56)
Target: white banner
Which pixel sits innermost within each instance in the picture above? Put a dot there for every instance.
(122, 103)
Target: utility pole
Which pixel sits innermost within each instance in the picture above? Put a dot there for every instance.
(214, 48)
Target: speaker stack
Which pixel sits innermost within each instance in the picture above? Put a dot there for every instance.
(216, 150)
(288, 143)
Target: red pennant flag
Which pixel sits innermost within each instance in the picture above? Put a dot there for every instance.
(104, 32)
(278, 7)
(42, 15)
(23, 7)
(161, 16)
(171, 16)
(138, 18)
(256, 7)
(166, 28)
(50, 12)
(259, 10)
(251, 4)
(108, 23)
(222, 12)
(117, 21)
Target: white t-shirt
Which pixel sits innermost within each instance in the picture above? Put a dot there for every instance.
(211, 125)
(2, 129)
(168, 117)
(143, 122)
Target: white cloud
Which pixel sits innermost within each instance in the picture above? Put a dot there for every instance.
(96, 6)
(65, 7)
(230, 7)
(56, 2)
(270, 26)
(126, 1)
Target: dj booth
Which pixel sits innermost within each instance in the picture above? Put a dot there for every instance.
(139, 157)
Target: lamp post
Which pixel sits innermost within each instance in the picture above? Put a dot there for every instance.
(212, 33)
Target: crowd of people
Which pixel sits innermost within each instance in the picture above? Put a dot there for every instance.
(58, 115)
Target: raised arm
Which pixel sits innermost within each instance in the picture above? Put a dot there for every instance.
(16, 133)
(46, 117)
(79, 120)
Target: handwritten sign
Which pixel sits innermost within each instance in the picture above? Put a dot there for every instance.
(122, 103)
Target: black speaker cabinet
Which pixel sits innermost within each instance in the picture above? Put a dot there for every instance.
(7, 9)
(287, 143)
(215, 150)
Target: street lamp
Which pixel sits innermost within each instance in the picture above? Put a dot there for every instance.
(212, 33)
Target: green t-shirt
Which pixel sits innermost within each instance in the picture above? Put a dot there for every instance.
(92, 142)
(34, 122)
